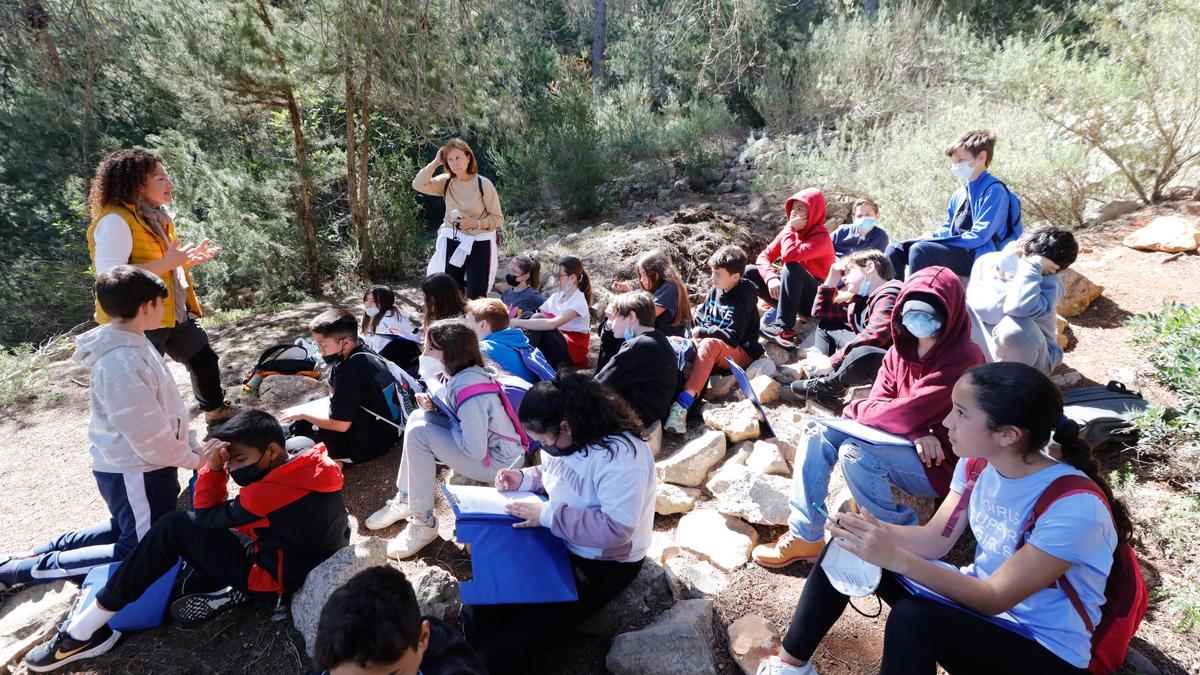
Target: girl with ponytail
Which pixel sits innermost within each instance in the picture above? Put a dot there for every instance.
(1005, 414)
(598, 475)
(560, 330)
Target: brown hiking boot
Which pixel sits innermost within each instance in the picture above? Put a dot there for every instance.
(786, 550)
(220, 414)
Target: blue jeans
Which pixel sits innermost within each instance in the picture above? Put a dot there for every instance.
(870, 471)
(917, 254)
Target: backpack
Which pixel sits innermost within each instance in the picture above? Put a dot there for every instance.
(282, 359)
(1125, 594)
(963, 221)
(511, 391)
(536, 362)
(1104, 414)
(400, 392)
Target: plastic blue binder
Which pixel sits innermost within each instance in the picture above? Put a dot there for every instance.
(743, 383)
(145, 612)
(512, 565)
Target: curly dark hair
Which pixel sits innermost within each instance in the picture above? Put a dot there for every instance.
(119, 177)
(596, 413)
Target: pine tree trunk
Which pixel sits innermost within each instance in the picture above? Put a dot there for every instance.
(304, 211)
(598, 37)
(365, 238)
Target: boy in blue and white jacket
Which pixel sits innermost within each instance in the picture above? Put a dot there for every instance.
(1013, 298)
(977, 219)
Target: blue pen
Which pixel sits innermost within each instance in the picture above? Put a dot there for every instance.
(821, 510)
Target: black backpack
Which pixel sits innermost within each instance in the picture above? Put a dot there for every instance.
(1104, 414)
(285, 359)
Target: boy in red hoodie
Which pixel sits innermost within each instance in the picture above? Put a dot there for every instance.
(931, 348)
(287, 519)
(804, 252)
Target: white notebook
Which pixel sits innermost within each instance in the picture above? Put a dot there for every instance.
(480, 499)
(864, 432)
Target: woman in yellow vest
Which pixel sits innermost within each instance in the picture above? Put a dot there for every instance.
(130, 226)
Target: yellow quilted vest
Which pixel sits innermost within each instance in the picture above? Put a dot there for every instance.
(147, 247)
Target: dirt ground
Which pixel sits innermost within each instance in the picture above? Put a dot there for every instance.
(47, 487)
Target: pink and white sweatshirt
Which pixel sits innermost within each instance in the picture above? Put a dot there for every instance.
(602, 505)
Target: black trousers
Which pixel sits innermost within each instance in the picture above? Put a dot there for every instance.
(610, 344)
(859, 367)
(404, 354)
(797, 292)
(553, 346)
(501, 632)
(474, 276)
(917, 254)
(188, 344)
(920, 634)
(221, 556)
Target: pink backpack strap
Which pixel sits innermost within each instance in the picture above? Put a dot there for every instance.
(493, 387)
(975, 466)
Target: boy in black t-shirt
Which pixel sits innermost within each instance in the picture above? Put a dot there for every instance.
(645, 371)
(359, 426)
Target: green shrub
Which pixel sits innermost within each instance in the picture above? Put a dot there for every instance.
(24, 375)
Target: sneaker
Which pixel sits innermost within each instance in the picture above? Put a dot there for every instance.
(392, 511)
(676, 420)
(786, 550)
(782, 336)
(221, 413)
(63, 649)
(818, 391)
(769, 316)
(773, 666)
(415, 537)
(197, 607)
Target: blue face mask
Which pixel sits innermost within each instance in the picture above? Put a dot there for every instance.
(920, 324)
(865, 225)
(864, 288)
(629, 334)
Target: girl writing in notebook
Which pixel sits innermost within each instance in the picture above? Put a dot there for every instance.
(479, 439)
(561, 329)
(1006, 414)
(389, 329)
(599, 476)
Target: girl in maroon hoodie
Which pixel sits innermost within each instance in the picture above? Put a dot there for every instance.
(804, 253)
(931, 349)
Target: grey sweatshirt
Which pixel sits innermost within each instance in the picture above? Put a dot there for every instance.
(139, 421)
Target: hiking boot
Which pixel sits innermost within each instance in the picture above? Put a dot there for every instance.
(676, 420)
(192, 609)
(780, 335)
(773, 666)
(221, 413)
(393, 511)
(786, 550)
(820, 392)
(415, 537)
(63, 649)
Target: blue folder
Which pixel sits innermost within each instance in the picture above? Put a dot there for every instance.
(509, 564)
(743, 383)
(145, 612)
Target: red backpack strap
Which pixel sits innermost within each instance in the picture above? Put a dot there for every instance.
(492, 387)
(975, 466)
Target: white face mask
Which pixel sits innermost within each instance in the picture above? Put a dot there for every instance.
(963, 170)
(429, 368)
(370, 311)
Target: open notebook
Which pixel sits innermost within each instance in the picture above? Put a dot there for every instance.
(476, 499)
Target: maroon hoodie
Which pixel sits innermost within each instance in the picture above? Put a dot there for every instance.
(810, 246)
(911, 396)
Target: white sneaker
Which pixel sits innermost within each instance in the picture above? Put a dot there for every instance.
(773, 666)
(415, 537)
(392, 511)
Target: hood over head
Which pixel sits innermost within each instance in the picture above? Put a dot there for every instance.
(931, 285)
(813, 200)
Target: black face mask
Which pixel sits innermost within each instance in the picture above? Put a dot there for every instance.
(332, 359)
(511, 279)
(247, 474)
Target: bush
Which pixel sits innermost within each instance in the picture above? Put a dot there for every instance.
(24, 375)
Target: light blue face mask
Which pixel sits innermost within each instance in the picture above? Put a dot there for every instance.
(865, 225)
(962, 170)
(629, 334)
(864, 288)
(920, 324)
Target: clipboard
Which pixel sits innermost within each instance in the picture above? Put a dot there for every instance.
(397, 336)
(1003, 620)
(743, 383)
(863, 432)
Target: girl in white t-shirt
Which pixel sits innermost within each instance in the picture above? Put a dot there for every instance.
(560, 330)
(1006, 414)
(388, 329)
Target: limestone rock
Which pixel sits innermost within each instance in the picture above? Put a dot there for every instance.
(671, 499)
(571, 237)
(1060, 332)
(551, 240)
(653, 436)
(750, 641)
(437, 592)
(756, 497)
(1079, 293)
(767, 457)
(281, 391)
(29, 617)
(586, 231)
(691, 463)
(691, 578)
(327, 577)
(1169, 234)
(718, 386)
(738, 421)
(720, 539)
(648, 589)
(763, 366)
(766, 389)
(1117, 208)
(678, 643)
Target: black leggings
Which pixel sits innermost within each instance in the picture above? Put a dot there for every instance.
(553, 346)
(187, 343)
(501, 632)
(920, 634)
(859, 367)
(797, 292)
(474, 276)
(404, 354)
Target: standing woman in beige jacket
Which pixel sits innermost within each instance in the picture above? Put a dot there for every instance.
(466, 243)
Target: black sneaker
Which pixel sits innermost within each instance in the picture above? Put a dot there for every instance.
(63, 649)
(817, 391)
(197, 607)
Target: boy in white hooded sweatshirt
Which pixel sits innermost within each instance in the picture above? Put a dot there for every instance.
(138, 432)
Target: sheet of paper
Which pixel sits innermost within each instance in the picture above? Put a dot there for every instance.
(480, 499)
(864, 432)
(316, 408)
(848, 573)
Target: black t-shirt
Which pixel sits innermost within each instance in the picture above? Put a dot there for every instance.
(359, 382)
(645, 372)
(667, 297)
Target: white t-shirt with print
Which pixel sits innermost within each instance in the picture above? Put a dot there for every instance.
(556, 304)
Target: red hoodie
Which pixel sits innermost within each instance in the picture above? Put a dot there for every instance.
(911, 396)
(811, 247)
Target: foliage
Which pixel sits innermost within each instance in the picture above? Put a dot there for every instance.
(24, 375)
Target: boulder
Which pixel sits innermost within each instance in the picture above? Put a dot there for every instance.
(679, 642)
(763, 366)
(738, 421)
(648, 589)
(327, 577)
(1079, 292)
(1060, 332)
(750, 641)
(29, 617)
(437, 592)
(1169, 234)
(571, 238)
(586, 231)
(691, 463)
(551, 240)
(653, 437)
(766, 389)
(723, 540)
(670, 499)
(1117, 208)
(756, 497)
(767, 457)
(691, 578)
(280, 391)
(718, 386)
